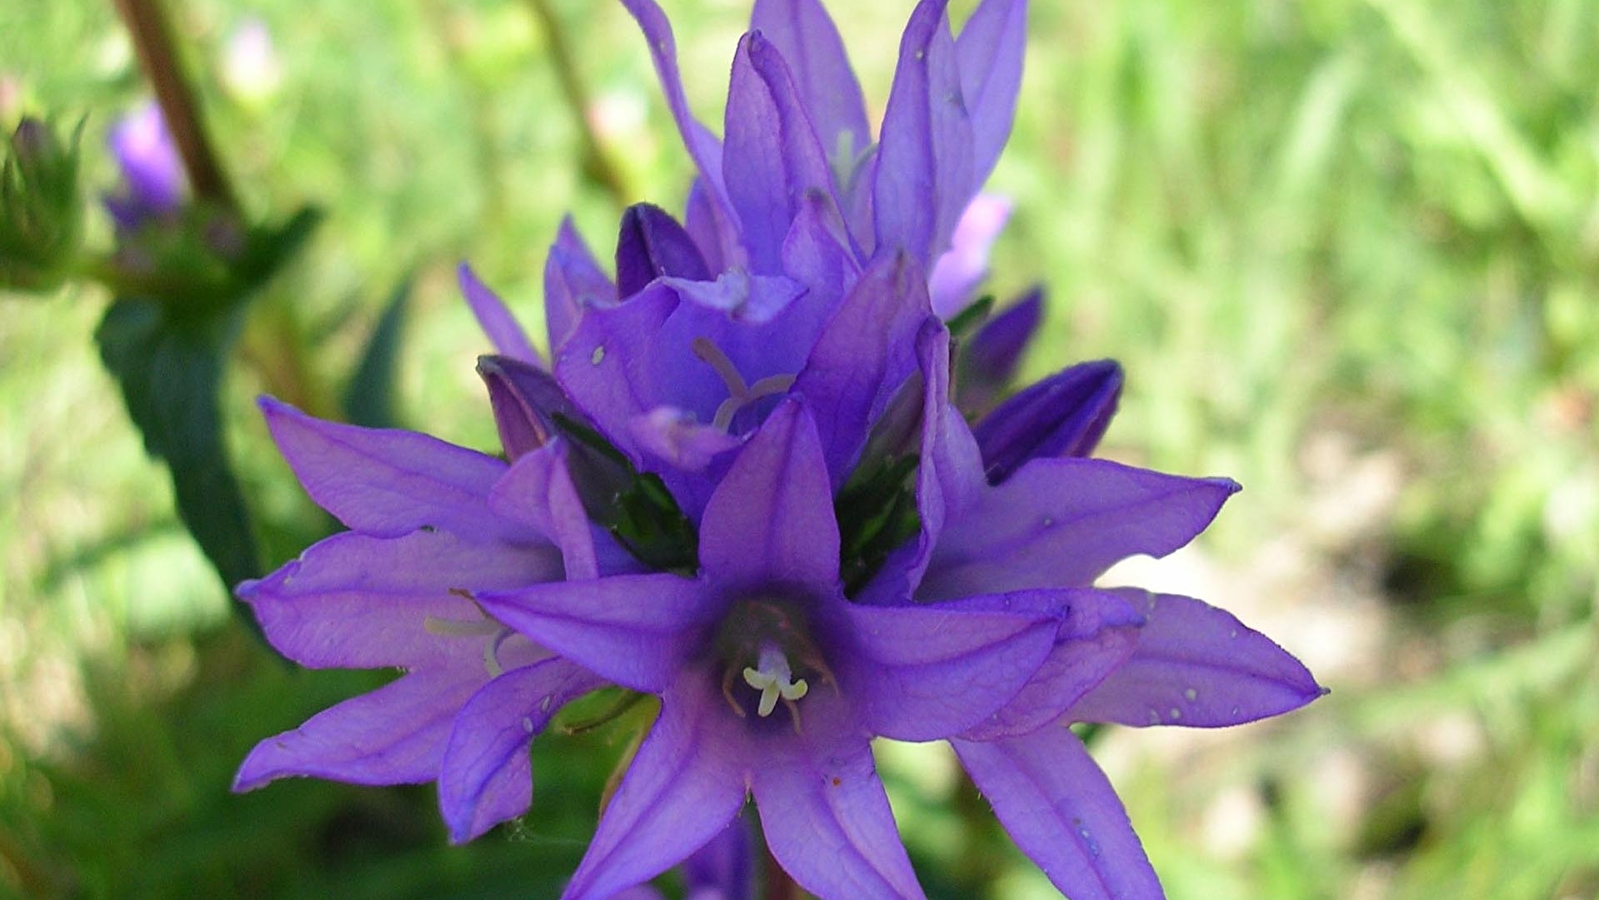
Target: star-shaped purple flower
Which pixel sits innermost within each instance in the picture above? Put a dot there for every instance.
(772, 683)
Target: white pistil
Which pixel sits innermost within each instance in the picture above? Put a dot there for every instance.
(772, 677)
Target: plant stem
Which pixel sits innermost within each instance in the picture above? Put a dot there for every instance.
(152, 39)
(597, 162)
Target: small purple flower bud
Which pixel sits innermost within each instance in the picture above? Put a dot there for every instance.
(33, 141)
(651, 245)
(989, 360)
(151, 169)
(1064, 415)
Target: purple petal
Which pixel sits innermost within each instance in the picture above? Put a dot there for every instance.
(1096, 635)
(1199, 666)
(771, 518)
(393, 735)
(526, 400)
(703, 147)
(824, 813)
(723, 869)
(572, 282)
(485, 776)
(709, 225)
(772, 158)
(683, 787)
(538, 490)
(651, 245)
(755, 299)
(817, 253)
(990, 50)
(989, 360)
(635, 630)
(965, 264)
(948, 477)
(923, 673)
(805, 35)
(496, 321)
(864, 354)
(361, 602)
(675, 437)
(614, 367)
(924, 161)
(1061, 810)
(390, 482)
(1063, 522)
(1063, 415)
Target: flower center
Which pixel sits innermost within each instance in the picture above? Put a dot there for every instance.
(739, 392)
(763, 642)
(774, 679)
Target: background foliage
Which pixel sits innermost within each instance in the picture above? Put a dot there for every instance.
(1347, 249)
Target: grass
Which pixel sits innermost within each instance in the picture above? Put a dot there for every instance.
(1346, 250)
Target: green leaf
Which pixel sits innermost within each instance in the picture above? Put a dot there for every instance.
(170, 371)
(369, 397)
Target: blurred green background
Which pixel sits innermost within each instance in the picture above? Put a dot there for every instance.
(1348, 251)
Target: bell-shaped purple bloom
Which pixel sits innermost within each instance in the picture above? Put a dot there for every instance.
(152, 172)
(429, 522)
(796, 129)
(772, 683)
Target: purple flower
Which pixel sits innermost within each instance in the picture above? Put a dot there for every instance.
(772, 683)
(1026, 512)
(796, 135)
(152, 172)
(429, 522)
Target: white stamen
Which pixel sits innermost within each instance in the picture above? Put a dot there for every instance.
(774, 680)
(740, 393)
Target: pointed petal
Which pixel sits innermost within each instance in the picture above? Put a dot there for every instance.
(772, 157)
(651, 245)
(393, 735)
(538, 490)
(1097, 632)
(953, 282)
(990, 50)
(714, 233)
(824, 813)
(1063, 522)
(525, 399)
(771, 518)
(864, 354)
(572, 282)
(1063, 415)
(683, 787)
(948, 476)
(1061, 810)
(1197, 665)
(635, 630)
(703, 147)
(360, 602)
(991, 358)
(495, 319)
(805, 35)
(922, 673)
(389, 482)
(753, 299)
(485, 776)
(924, 160)
(817, 253)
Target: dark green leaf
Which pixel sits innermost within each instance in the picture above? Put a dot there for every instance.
(369, 397)
(170, 373)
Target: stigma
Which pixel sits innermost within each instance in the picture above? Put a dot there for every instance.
(773, 678)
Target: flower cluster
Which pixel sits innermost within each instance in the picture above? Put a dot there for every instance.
(745, 483)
